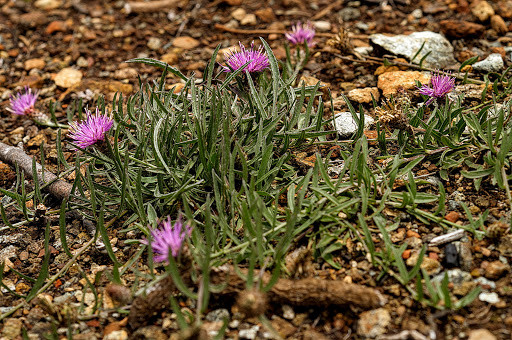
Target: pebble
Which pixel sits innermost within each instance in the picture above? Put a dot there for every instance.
(452, 216)
(35, 18)
(56, 26)
(283, 327)
(126, 73)
(373, 323)
(481, 334)
(498, 24)
(349, 13)
(493, 63)
(482, 10)
(170, 58)
(288, 312)
(186, 43)
(496, 269)
(461, 29)
(34, 64)
(149, 332)
(12, 328)
(154, 43)
(68, 77)
(116, 335)
(48, 4)
(249, 20)
(346, 126)
(249, 333)
(266, 14)
(489, 297)
(82, 62)
(322, 26)
(364, 95)
(238, 14)
(440, 49)
(390, 82)
(218, 315)
(417, 13)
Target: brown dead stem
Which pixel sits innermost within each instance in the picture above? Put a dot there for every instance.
(312, 292)
(151, 6)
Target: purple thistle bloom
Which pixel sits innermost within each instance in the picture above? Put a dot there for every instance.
(167, 238)
(23, 104)
(91, 130)
(301, 33)
(441, 86)
(258, 59)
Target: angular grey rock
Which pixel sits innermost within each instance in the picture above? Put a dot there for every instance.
(441, 51)
(493, 63)
(346, 126)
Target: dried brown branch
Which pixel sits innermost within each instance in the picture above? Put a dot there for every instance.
(151, 6)
(15, 156)
(314, 292)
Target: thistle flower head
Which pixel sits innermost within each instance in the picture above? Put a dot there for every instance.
(441, 85)
(301, 33)
(23, 104)
(91, 130)
(168, 238)
(257, 58)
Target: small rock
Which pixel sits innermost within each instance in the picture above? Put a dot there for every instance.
(481, 334)
(238, 14)
(288, 312)
(116, 335)
(496, 269)
(48, 4)
(56, 26)
(265, 14)
(149, 333)
(126, 73)
(12, 328)
(459, 29)
(82, 62)
(346, 126)
(186, 43)
(154, 43)
(249, 20)
(283, 327)
(33, 19)
(493, 63)
(373, 323)
(482, 10)
(390, 82)
(439, 48)
(34, 64)
(170, 58)
(249, 333)
(505, 246)
(489, 297)
(498, 24)
(68, 77)
(452, 216)
(364, 95)
(349, 13)
(218, 315)
(322, 26)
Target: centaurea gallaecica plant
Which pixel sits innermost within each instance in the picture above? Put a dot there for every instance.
(258, 60)
(23, 104)
(91, 130)
(301, 33)
(167, 239)
(441, 85)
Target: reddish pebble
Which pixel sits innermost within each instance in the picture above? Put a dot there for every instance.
(433, 256)
(406, 254)
(56, 26)
(411, 233)
(452, 216)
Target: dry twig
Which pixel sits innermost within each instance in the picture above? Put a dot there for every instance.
(151, 6)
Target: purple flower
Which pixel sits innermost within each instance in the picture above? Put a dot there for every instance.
(91, 130)
(258, 59)
(167, 238)
(441, 86)
(301, 33)
(23, 104)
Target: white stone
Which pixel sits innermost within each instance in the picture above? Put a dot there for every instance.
(493, 63)
(249, 20)
(238, 14)
(441, 51)
(373, 323)
(489, 297)
(68, 77)
(346, 126)
(322, 26)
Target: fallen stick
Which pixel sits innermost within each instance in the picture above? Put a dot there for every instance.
(15, 156)
(313, 292)
(151, 6)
